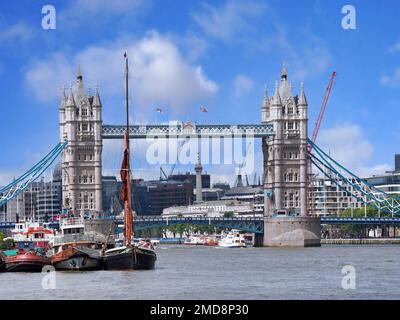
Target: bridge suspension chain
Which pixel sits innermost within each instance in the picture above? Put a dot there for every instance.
(359, 188)
(18, 185)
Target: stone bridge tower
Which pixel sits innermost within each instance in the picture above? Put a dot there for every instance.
(285, 169)
(285, 155)
(81, 125)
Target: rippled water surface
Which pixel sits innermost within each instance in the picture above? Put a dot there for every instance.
(185, 272)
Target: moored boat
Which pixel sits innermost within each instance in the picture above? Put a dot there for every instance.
(26, 261)
(195, 240)
(2, 262)
(211, 241)
(74, 249)
(77, 256)
(232, 240)
(34, 232)
(131, 256)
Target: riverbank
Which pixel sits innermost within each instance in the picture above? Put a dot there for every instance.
(362, 241)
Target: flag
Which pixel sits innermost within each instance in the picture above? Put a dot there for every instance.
(159, 110)
(203, 109)
(124, 177)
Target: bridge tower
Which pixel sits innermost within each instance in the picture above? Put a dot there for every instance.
(81, 125)
(285, 169)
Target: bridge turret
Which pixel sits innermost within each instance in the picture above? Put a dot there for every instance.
(62, 114)
(265, 109)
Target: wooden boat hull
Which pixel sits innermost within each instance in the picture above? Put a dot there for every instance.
(74, 260)
(134, 259)
(2, 262)
(78, 263)
(26, 262)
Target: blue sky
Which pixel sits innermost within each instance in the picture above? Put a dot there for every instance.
(185, 54)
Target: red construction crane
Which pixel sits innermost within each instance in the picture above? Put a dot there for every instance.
(322, 110)
(314, 136)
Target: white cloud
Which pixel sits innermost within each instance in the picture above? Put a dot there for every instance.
(309, 61)
(391, 80)
(159, 74)
(238, 21)
(395, 48)
(242, 85)
(347, 144)
(310, 58)
(195, 45)
(19, 31)
(230, 20)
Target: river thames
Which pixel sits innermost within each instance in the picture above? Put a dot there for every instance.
(185, 272)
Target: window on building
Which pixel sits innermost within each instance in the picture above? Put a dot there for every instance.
(84, 112)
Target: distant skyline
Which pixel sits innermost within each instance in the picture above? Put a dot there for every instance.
(190, 54)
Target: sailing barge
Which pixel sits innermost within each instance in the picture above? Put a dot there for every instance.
(131, 256)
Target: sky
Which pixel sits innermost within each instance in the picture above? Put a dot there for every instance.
(187, 54)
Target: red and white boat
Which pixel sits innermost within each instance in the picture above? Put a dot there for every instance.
(34, 232)
(26, 261)
(211, 241)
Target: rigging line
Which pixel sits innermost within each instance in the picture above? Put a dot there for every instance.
(362, 186)
(44, 160)
(15, 190)
(361, 199)
(324, 155)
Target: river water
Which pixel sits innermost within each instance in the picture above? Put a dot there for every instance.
(197, 272)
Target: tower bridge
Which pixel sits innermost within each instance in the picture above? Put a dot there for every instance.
(283, 131)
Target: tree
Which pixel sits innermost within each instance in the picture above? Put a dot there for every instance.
(228, 214)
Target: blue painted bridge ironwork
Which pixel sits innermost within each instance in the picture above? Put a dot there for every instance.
(188, 130)
(248, 224)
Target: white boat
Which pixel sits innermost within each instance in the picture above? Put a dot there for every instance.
(195, 240)
(232, 240)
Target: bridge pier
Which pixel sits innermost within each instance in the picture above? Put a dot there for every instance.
(292, 231)
(258, 240)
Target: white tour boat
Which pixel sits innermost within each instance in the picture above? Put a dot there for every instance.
(232, 240)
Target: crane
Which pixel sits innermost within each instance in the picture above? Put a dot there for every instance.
(162, 172)
(315, 134)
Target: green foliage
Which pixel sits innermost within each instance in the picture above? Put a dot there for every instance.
(228, 214)
(360, 213)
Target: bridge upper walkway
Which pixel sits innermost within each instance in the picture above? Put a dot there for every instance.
(188, 130)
